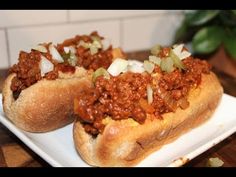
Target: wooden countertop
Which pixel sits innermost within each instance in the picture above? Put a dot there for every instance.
(13, 153)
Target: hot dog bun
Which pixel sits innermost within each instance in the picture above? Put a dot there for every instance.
(47, 104)
(38, 94)
(126, 143)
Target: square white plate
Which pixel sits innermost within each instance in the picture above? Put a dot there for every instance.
(57, 147)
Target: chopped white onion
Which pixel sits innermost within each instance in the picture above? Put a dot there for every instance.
(149, 94)
(66, 49)
(118, 66)
(178, 49)
(135, 62)
(148, 66)
(55, 54)
(69, 49)
(156, 60)
(135, 66)
(215, 162)
(73, 58)
(97, 44)
(40, 48)
(84, 44)
(155, 49)
(181, 54)
(45, 66)
(105, 44)
(167, 65)
(184, 55)
(100, 72)
(136, 69)
(92, 46)
(93, 49)
(175, 45)
(72, 49)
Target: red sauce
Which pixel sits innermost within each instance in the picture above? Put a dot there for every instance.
(28, 72)
(125, 96)
(65, 68)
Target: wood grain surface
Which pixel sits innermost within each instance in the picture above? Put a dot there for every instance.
(13, 153)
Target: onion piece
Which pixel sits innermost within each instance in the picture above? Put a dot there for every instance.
(135, 62)
(149, 94)
(92, 46)
(66, 49)
(148, 66)
(155, 60)
(55, 54)
(97, 44)
(73, 59)
(184, 55)
(215, 162)
(135, 69)
(118, 66)
(69, 49)
(167, 65)
(72, 49)
(45, 65)
(100, 72)
(84, 44)
(70, 55)
(96, 38)
(181, 54)
(156, 49)
(135, 66)
(175, 45)
(177, 62)
(40, 48)
(178, 49)
(93, 49)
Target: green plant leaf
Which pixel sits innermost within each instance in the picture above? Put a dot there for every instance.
(185, 33)
(230, 43)
(207, 40)
(181, 33)
(227, 18)
(200, 17)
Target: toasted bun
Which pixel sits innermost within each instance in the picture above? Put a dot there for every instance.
(126, 143)
(47, 104)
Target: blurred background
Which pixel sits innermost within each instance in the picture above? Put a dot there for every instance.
(130, 29)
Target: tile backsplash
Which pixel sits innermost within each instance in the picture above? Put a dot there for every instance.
(11, 18)
(130, 29)
(3, 50)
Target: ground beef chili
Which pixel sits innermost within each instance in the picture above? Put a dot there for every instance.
(28, 71)
(101, 59)
(125, 96)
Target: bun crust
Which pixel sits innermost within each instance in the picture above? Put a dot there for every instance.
(47, 104)
(126, 143)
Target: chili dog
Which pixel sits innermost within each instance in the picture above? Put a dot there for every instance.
(38, 93)
(135, 108)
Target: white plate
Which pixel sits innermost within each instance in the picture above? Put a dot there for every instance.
(57, 147)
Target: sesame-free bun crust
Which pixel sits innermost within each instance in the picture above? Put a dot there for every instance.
(47, 104)
(126, 143)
